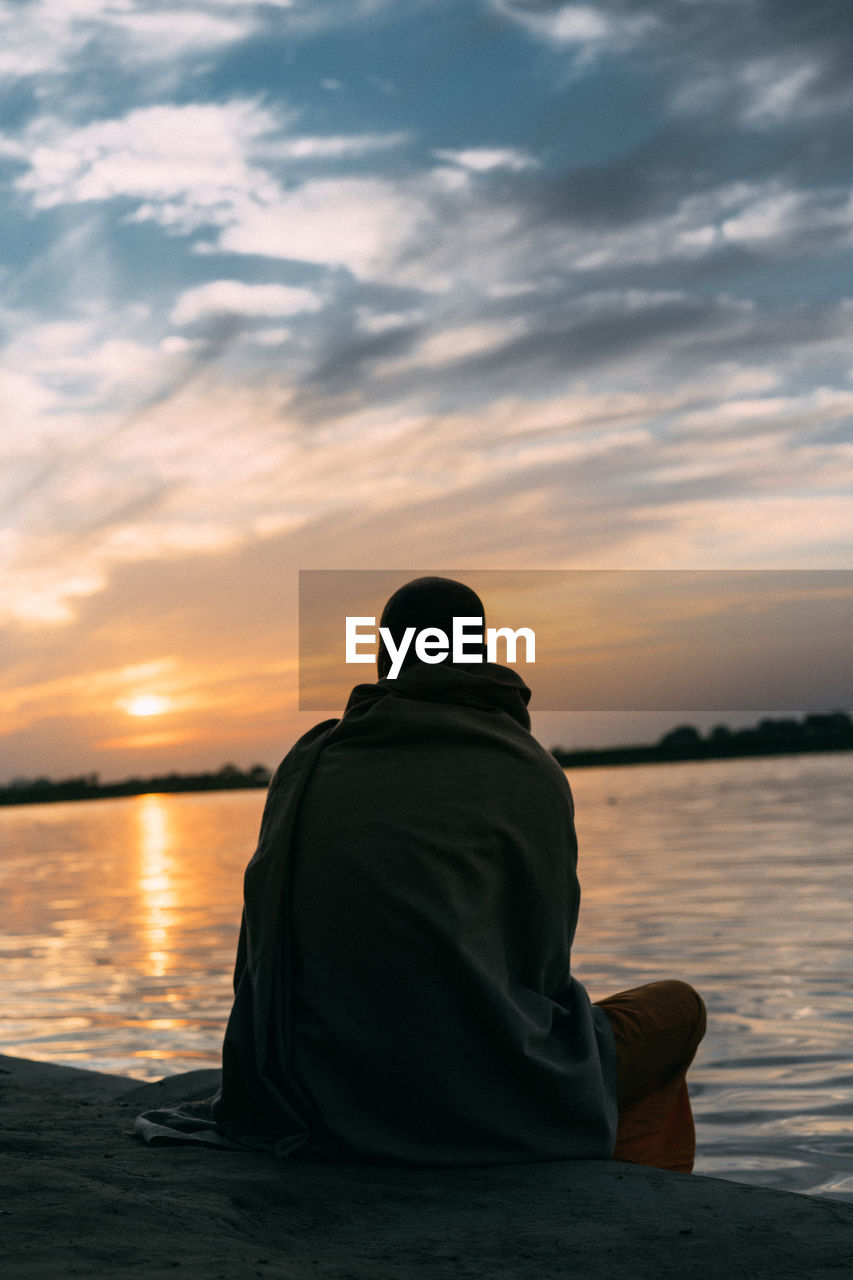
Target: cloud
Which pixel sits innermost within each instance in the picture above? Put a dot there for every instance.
(759, 66)
(585, 28)
(44, 38)
(152, 34)
(207, 165)
(791, 219)
(485, 159)
(794, 531)
(245, 466)
(362, 224)
(213, 168)
(334, 146)
(183, 165)
(41, 36)
(24, 400)
(629, 335)
(64, 369)
(595, 233)
(379, 322)
(233, 297)
(777, 91)
(188, 161)
(765, 93)
(448, 346)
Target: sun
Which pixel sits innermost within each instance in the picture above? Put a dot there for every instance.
(148, 704)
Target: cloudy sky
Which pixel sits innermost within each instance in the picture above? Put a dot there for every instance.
(371, 284)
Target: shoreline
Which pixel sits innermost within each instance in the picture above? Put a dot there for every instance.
(81, 1196)
(586, 758)
(593, 757)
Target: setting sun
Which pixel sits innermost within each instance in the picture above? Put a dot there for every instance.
(148, 704)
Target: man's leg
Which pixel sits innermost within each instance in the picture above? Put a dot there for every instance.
(657, 1029)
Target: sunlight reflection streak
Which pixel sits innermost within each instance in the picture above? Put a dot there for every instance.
(155, 880)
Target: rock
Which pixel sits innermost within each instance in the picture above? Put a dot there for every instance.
(82, 1197)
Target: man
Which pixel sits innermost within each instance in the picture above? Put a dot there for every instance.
(403, 988)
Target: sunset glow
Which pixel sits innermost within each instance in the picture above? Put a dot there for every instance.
(577, 298)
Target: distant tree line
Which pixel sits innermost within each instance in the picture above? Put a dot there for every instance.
(817, 732)
(832, 731)
(89, 786)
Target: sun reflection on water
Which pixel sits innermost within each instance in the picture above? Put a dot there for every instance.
(156, 889)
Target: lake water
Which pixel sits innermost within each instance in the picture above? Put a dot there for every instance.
(119, 922)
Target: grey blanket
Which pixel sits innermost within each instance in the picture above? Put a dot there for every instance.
(402, 987)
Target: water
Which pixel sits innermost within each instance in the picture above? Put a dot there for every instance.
(119, 922)
(737, 876)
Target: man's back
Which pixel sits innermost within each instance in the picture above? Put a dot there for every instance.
(433, 902)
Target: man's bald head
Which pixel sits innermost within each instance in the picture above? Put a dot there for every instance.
(422, 603)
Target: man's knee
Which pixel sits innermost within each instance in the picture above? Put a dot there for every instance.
(687, 998)
(680, 1006)
(692, 1013)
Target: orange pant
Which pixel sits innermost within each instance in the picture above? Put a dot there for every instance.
(657, 1029)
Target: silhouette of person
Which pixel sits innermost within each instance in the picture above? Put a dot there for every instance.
(403, 985)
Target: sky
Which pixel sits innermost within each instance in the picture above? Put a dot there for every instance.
(357, 284)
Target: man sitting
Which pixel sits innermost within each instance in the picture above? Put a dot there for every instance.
(403, 989)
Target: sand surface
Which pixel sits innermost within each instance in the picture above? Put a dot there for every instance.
(81, 1196)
